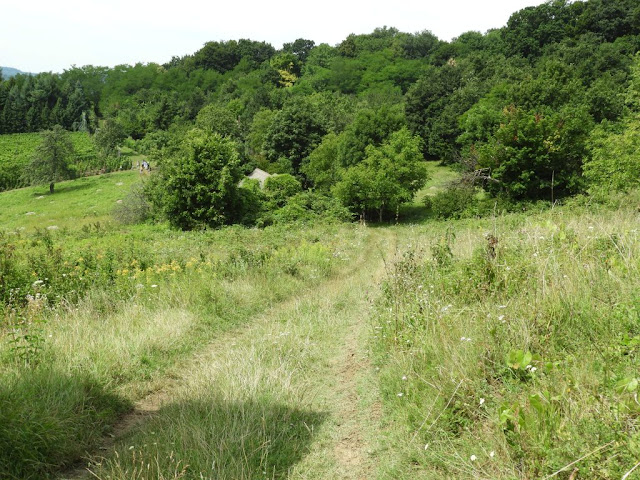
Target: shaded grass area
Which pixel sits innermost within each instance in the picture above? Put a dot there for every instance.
(48, 417)
(210, 438)
(440, 176)
(508, 347)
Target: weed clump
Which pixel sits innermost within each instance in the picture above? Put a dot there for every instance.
(134, 208)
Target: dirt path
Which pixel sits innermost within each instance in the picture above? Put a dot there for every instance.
(350, 450)
(332, 370)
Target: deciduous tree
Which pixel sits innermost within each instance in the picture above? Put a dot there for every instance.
(51, 160)
(389, 176)
(199, 186)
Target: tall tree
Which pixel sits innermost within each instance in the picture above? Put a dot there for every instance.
(51, 160)
(109, 137)
(293, 134)
(389, 176)
(199, 186)
(533, 155)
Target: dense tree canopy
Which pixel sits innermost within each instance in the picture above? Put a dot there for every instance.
(388, 176)
(520, 101)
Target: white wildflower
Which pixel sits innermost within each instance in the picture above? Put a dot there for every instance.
(473, 458)
(481, 401)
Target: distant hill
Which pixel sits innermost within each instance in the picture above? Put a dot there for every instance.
(8, 72)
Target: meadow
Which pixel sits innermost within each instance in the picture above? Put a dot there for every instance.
(16, 151)
(95, 312)
(508, 347)
(499, 347)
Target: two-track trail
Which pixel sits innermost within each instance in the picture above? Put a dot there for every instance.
(308, 353)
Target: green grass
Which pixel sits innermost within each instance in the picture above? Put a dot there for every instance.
(262, 403)
(439, 177)
(508, 347)
(75, 203)
(95, 314)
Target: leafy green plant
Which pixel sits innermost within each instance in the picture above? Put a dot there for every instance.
(27, 333)
(198, 188)
(441, 249)
(453, 202)
(134, 208)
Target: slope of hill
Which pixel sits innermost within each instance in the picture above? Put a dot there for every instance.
(508, 354)
(8, 72)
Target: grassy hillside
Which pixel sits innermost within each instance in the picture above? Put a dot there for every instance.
(16, 151)
(75, 203)
(508, 347)
(504, 347)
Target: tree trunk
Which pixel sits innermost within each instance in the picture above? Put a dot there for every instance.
(51, 187)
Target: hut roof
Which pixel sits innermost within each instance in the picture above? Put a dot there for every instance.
(260, 175)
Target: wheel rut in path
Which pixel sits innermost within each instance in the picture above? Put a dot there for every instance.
(338, 379)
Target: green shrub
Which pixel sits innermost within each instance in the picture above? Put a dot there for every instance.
(279, 188)
(453, 202)
(198, 187)
(135, 207)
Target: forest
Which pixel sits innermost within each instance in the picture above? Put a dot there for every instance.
(532, 110)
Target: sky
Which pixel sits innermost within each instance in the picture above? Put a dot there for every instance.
(54, 35)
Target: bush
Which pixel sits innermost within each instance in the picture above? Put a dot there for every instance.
(279, 188)
(453, 202)
(135, 207)
(199, 185)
